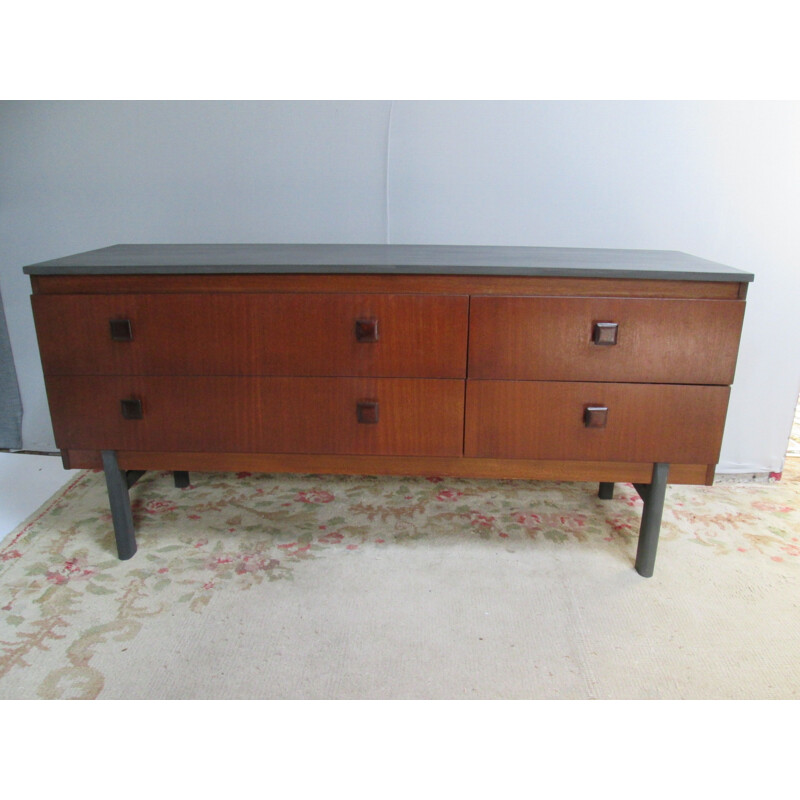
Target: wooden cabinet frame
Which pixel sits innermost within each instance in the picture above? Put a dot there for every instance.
(534, 363)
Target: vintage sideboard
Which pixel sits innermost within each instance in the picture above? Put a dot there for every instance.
(500, 362)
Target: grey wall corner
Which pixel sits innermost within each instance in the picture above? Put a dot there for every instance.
(10, 403)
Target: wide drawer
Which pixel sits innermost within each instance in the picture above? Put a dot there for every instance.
(654, 341)
(268, 415)
(550, 420)
(253, 334)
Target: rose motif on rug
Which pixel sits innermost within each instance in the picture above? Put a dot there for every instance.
(63, 590)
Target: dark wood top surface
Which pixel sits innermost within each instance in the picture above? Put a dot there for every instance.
(176, 259)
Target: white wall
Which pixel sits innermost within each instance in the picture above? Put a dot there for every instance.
(718, 180)
(79, 175)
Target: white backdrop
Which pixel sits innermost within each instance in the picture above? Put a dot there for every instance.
(720, 180)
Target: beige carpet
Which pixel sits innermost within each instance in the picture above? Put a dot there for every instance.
(255, 586)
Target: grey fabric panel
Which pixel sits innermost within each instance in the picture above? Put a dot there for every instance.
(10, 403)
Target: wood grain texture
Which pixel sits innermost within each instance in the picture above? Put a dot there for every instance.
(273, 415)
(658, 341)
(414, 284)
(544, 420)
(253, 334)
(492, 468)
(261, 370)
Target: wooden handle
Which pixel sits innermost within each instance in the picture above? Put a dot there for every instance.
(605, 333)
(121, 330)
(367, 412)
(595, 416)
(131, 408)
(367, 330)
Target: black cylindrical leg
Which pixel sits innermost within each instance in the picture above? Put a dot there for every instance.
(651, 521)
(606, 491)
(181, 479)
(120, 502)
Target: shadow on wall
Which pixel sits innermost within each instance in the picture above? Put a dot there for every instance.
(10, 403)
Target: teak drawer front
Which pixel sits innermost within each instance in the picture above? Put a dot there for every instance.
(267, 415)
(552, 338)
(254, 334)
(547, 420)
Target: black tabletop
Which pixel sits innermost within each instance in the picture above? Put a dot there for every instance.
(409, 259)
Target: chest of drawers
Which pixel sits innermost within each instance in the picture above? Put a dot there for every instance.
(536, 363)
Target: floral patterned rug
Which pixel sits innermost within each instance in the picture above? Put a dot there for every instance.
(266, 586)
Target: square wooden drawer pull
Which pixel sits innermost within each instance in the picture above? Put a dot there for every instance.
(605, 333)
(367, 412)
(367, 330)
(121, 330)
(595, 416)
(131, 409)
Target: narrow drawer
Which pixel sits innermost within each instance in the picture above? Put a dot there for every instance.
(386, 416)
(553, 420)
(253, 334)
(604, 339)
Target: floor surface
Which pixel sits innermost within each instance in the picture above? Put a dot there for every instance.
(27, 481)
(250, 586)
